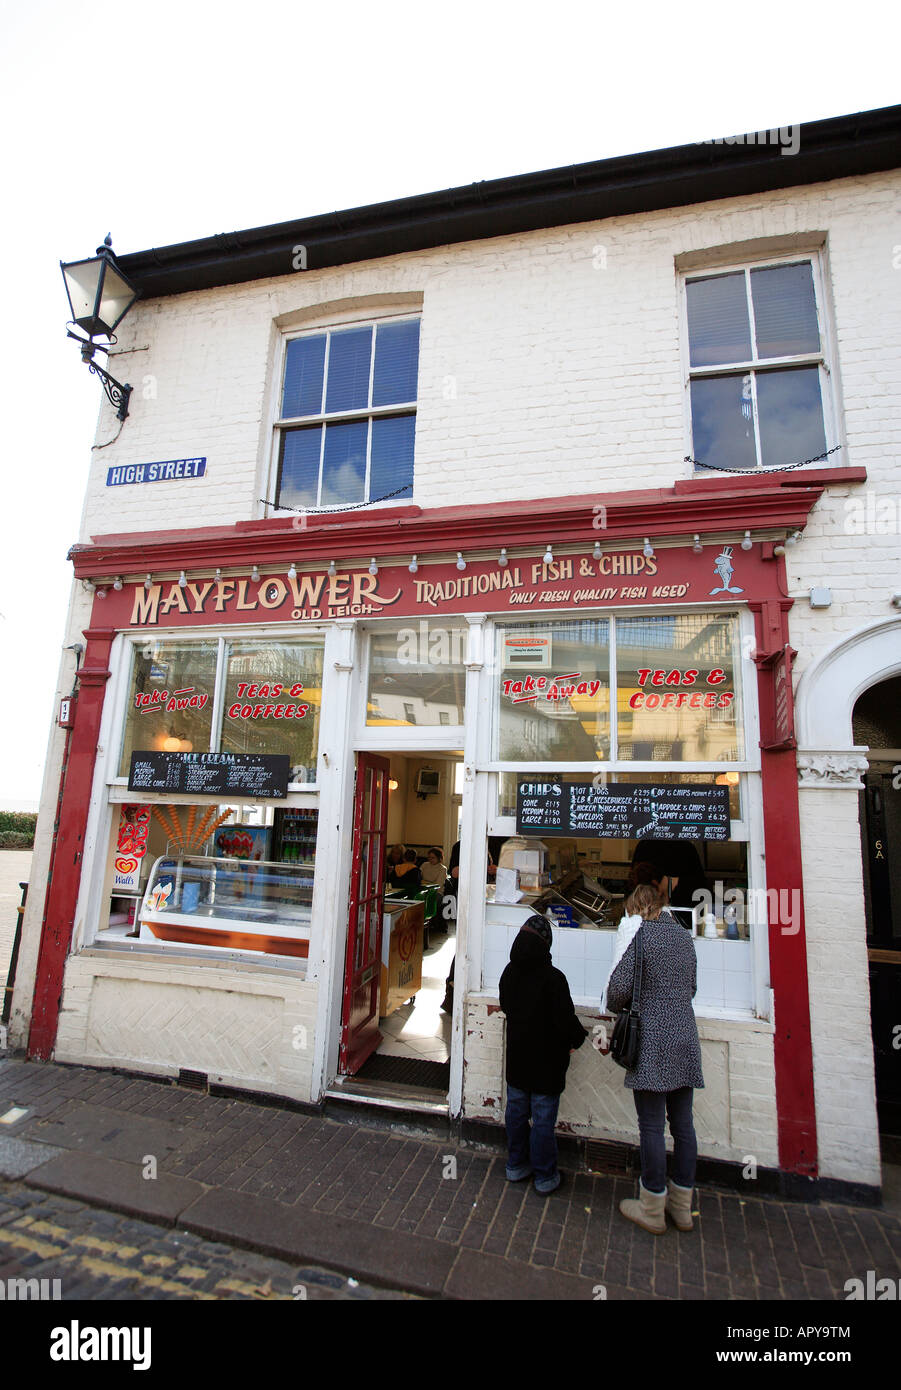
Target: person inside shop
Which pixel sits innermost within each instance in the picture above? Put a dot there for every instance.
(667, 1070)
(434, 870)
(405, 874)
(394, 857)
(680, 862)
(542, 1031)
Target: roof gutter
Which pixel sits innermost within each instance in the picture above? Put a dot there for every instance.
(841, 147)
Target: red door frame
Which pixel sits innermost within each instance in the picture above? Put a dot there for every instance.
(360, 1034)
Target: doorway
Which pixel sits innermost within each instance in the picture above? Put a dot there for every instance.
(877, 724)
(398, 970)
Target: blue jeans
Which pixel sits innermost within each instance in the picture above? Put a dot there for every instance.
(653, 1109)
(532, 1150)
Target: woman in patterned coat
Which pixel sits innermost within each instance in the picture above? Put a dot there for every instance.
(668, 1068)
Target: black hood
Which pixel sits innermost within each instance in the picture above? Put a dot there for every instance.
(529, 952)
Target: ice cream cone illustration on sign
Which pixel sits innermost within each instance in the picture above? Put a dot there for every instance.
(725, 569)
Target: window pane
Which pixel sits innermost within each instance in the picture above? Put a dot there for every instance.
(348, 370)
(170, 701)
(396, 363)
(678, 695)
(303, 377)
(344, 464)
(791, 416)
(722, 421)
(391, 465)
(553, 691)
(785, 311)
(251, 722)
(299, 472)
(718, 326)
(417, 675)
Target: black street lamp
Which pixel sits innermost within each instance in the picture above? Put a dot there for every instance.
(99, 296)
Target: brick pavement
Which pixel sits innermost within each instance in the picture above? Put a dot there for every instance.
(236, 1168)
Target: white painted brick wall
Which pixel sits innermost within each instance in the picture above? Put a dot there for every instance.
(838, 980)
(568, 377)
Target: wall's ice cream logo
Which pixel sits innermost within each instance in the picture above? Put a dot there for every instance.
(725, 569)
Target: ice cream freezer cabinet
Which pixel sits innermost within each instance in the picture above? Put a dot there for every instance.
(230, 904)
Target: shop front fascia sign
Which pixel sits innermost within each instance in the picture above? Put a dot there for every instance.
(618, 579)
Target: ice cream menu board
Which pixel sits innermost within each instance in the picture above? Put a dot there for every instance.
(210, 774)
(583, 810)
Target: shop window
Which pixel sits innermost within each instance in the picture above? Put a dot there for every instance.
(417, 676)
(678, 688)
(269, 692)
(553, 691)
(348, 416)
(171, 699)
(757, 370)
(286, 718)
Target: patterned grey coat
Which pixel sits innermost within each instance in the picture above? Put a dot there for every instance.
(669, 1053)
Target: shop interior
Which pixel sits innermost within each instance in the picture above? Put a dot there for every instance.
(418, 934)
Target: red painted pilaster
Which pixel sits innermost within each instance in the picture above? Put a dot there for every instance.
(795, 1106)
(64, 876)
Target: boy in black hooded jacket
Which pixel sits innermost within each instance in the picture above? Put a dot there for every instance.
(542, 1030)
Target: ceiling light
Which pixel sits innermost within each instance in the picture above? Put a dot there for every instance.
(502, 558)
(332, 569)
(648, 549)
(696, 544)
(746, 543)
(461, 563)
(549, 555)
(373, 567)
(413, 565)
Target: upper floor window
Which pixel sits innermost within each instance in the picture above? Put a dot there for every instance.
(348, 415)
(757, 373)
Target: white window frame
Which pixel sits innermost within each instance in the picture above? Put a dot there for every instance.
(118, 785)
(284, 424)
(822, 360)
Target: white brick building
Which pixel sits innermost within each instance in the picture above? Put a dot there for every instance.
(579, 344)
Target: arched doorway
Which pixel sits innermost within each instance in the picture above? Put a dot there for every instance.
(876, 723)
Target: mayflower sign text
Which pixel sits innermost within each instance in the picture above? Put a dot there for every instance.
(620, 577)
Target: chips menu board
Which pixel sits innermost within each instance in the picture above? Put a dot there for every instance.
(211, 774)
(583, 810)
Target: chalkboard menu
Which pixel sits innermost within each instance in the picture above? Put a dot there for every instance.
(615, 811)
(211, 774)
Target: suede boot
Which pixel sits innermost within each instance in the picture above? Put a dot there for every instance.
(647, 1211)
(678, 1204)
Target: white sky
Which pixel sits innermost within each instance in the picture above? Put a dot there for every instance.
(167, 121)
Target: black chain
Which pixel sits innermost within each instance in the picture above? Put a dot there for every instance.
(783, 468)
(354, 507)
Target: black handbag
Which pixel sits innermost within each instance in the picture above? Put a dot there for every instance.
(626, 1029)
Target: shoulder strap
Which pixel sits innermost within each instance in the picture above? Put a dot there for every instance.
(636, 975)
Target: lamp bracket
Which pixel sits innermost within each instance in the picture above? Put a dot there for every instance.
(116, 393)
